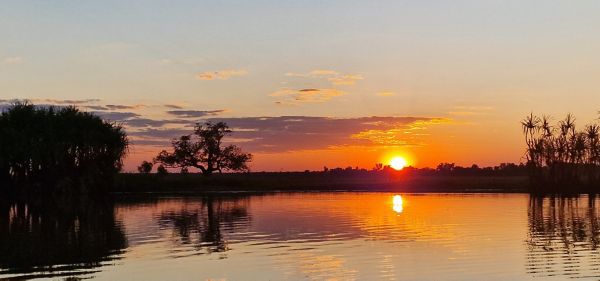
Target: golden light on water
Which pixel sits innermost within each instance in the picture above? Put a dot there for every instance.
(397, 204)
(398, 163)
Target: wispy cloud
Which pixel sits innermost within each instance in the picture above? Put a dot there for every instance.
(122, 106)
(96, 107)
(13, 60)
(145, 122)
(314, 73)
(82, 101)
(288, 133)
(116, 116)
(54, 101)
(173, 106)
(311, 95)
(220, 75)
(195, 113)
(349, 79)
(385, 94)
(114, 107)
(399, 136)
(470, 110)
(296, 133)
(334, 77)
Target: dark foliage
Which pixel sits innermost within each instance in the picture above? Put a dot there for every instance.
(145, 167)
(203, 150)
(161, 170)
(44, 148)
(77, 234)
(442, 169)
(560, 155)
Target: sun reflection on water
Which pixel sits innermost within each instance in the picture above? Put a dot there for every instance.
(397, 204)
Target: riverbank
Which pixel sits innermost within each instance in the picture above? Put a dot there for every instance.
(300, 181)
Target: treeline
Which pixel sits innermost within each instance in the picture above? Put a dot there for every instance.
(57, 149)
(560, 156)
(447, 169)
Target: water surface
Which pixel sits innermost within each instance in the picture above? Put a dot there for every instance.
(306, 236)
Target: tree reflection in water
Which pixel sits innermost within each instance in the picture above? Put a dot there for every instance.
(563, 236)
(47, 238)
(203, 225)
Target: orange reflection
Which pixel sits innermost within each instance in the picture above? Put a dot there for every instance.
(397, 204)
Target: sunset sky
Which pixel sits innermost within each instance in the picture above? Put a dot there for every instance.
(307, 84)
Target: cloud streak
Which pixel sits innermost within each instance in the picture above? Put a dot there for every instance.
(311, 95)
(297, 133)
(195, 113)
(68, 101)
(115, 116)
(289, 133)
(220, 75)
(385, 94)
(349, 79)
(334, 77)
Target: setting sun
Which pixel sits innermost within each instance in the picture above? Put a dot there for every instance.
(398, 163)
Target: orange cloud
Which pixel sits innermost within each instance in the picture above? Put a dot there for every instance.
(332, 76)
(220, 75)
(349, 79)
(314, 73)
(294, 97)
(386, 94)
(404, 135)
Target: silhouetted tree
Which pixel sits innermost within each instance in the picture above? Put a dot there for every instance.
(446, 167)
(161, 170)
(42, 147)
(145, 167)
(203, 150)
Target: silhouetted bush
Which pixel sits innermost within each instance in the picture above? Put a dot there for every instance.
(60, 148)
(145, 167)
(161, 170)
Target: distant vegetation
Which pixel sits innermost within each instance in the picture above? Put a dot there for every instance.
(203, 150)
(57, 149)
(560, 156)
(447, 177)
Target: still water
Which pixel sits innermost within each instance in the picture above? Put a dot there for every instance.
(305, 236)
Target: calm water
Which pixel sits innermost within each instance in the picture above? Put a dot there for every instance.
(306, 236)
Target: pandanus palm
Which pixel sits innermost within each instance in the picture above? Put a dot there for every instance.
(569, 155)
(530, 126)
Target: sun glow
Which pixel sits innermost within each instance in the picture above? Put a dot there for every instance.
(398, 163)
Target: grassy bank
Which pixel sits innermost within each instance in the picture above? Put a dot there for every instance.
(288, 181)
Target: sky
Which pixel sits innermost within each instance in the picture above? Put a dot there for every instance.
(307, 84)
